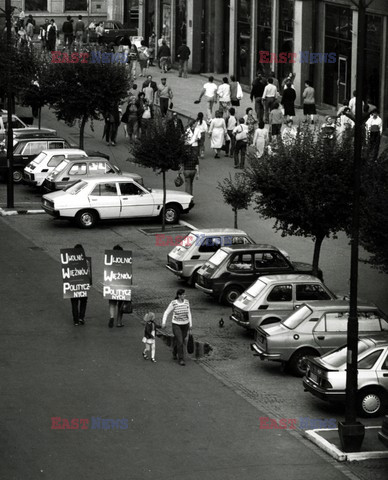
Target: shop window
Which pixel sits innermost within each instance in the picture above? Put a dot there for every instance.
(244, 19)
(35, 5)
(180, 22)
(285, 36)
(76, 5)
(372, 60)
(264, 35)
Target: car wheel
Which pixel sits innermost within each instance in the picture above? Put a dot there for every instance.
(231, 294)
(297, 363)
(86, 218)
(171, 214)
(17, 176)
(371, 402)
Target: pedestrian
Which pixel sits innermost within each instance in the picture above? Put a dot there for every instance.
(223, 94)
(352, 104)
(112, 122)
(140, 103)
(151, 83)
(236, 93)
(250, 122)
(78, 304)
(125, 45)
(210, 92)
(67, 30)
(164, 55)
(289, 133)
(202, 127)
(217, 133)
(116, 306)
(52, 32)
(165, 96)
(308, 95)
(149, 336)
(149, 93)
(43, 34)
(190, 166)
(143, 58)
(30, 26)
(130, 119)
(269, 97)
(345, 122)
(374, 128)
(328, 128)
(276, 119)
(133, 58)
(289, 78)
(260, 140)
(176, 122)
(181, 324)
(79, 31)
(288, 100)
(231, 124)
(100, 33)
(146, 117)
(257, 91)
(241, 135)
(151, 49)
(183, 54)
(275, 80)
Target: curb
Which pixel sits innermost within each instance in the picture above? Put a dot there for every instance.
(6, 212)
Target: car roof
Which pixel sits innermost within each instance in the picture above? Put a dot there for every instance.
(63, 151)
(329, 305)
(218, 231)
(289, 277)
(86, 159)
(250, 247)
(21, 133)
(39, 137)
(112, 177)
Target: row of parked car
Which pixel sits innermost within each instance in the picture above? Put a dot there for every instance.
(295, 317)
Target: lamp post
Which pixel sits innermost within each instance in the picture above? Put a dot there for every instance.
(10, 192)
(352, 432)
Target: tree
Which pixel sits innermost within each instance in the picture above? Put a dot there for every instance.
(374, 216)
(306, 186)
(162, 147)
(237, 193)
(84, 91)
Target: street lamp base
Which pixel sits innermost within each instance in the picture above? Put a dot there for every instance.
(351, 435)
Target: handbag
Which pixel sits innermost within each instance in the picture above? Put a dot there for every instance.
(179, 180)
(190, 344)
(239, 93)
(127, 307)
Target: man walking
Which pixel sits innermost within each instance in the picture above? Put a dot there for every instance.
(79, 31)
(183, 54)
(209, 91)
(67, 30)
(257, 94)
(269, 96)
(223, 93)
(165, 95)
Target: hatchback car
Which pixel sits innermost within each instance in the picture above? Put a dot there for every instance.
(326, 376)
(17, 125)
(71, 170)
(198, 246)
(273, 298)
(114, 197)
(26, 148)
(231, 270)
(314, 329)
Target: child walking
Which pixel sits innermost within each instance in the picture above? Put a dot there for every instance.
(149, 336)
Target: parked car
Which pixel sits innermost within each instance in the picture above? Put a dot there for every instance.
(231, 270)
(114, 197)
(326, 376)
(27, 146)
(113, 32)
(17, 124)
(198, 246)
(71, 170)
(273, 298)
(314, 329)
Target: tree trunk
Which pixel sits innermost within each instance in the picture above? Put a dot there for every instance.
(317, 251)
(39, 117)
(235, 218)
(164, 202)
(81, 132)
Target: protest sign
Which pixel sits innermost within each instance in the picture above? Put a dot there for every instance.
(117, 275)
(76, 273)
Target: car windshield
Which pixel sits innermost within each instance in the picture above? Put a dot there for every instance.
(256, 288)
(297, 318)
(60, 167)
(40, 158)
(337, 358)
(189, 240)
(76, 187)
(218, 257)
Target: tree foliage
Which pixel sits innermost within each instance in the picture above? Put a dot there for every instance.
(162, 147)
(306, 186)
(84, 91)
(374, 214)
(237, 193)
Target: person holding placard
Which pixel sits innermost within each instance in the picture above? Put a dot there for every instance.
(116, 306)
(78, 305)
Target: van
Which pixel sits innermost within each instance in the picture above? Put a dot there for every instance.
(232, 269)
(198, 246)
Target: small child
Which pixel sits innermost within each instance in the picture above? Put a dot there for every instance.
(149, 336)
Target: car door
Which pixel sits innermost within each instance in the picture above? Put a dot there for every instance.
(382, 370)
(135, 201)
(99, 168)
(279, 300)
(75, 171)
(266, 263)
(240, 270)
(105, 199)
(305, 292)
(54, 144)
(30, 151)
(331, 330)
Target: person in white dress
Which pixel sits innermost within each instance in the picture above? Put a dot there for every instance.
(217, 132)
(260, 139)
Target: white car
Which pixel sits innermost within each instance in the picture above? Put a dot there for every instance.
(17, 124)
(114, 197)
(36, 171)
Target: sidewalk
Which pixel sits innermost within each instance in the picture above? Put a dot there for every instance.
(182, 422)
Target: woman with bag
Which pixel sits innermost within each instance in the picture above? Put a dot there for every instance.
(236, 93)
(143, 58)
(190, 165)
(217, 133)
(181, 324)
(202, 129)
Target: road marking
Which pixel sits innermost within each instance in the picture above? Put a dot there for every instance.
(182, 222)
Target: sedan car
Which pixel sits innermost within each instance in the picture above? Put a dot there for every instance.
(273, 298)
(114, 197)
(314, 329)
(326, 376)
